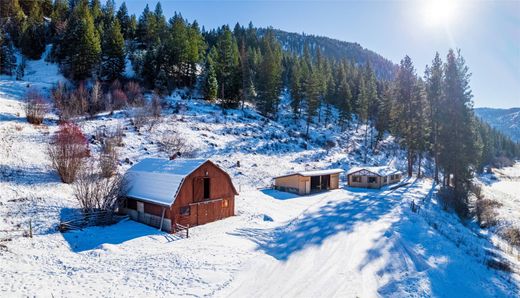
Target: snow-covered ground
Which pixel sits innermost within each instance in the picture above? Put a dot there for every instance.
(503, 186)
(344, 243)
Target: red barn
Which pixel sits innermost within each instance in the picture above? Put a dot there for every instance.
(189, 192)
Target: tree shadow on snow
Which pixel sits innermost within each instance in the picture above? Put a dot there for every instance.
(434, 257)
(27, 176)
(126, 230)
(313, 228)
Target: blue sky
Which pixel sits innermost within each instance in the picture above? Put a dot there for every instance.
(487, 32)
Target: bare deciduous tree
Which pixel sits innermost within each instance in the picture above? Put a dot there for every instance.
(94, 192)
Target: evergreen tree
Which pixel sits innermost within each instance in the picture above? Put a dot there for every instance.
(33, 37)
(459, 142)
(228, 68)
(211, 83)
(270, 72)
(404, 108)
(296, 86)
(83, 43)
(7, 57)
(434, 81)
(344, 96)
(124, 20)
(113, 53)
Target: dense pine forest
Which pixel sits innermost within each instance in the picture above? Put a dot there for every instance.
(431, 114)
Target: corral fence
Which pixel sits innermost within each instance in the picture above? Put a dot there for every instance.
(89, 219)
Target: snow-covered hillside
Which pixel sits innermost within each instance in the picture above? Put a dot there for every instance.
(345, 243)
(506, 121)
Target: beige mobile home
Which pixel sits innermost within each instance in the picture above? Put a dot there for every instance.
(307, 182)
(373, 177)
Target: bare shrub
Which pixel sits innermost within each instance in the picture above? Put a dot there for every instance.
(476, 189)
(156, 105)
(81, 96)
(67, 150)
(94, 192)
(486, 214)
(455, 199)
(119, 99)
(174, 144)
(134, 94)
(60, 95)
(96, 96)
(108, 159)
(512, 236)
(36, 107)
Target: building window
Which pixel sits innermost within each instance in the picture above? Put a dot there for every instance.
(385, 179)
(225, 203)
(356, 179)
(140, 207)
(185, 211)
(371, 179)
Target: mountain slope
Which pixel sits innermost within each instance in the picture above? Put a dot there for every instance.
(337, 49)
(506, 121)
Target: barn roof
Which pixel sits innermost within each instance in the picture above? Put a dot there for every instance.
(381, 171)
(158, 180)
(313, 173)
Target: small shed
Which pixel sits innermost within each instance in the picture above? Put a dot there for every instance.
(373, 177)
(188, 192)
(306, 182)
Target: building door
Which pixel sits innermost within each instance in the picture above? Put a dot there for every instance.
(202, 213)
(325, 182)
(207, 185)
(315, 183)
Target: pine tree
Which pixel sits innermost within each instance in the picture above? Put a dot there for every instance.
(458, 139)
(113, 53)
(124, 20)
(33, 37)
(211, 83)
(7, 57)
(228, 69)
(83, 43)
(434, 81)
(344, 96)
(404, 108)
(296, 86)
(270, 72)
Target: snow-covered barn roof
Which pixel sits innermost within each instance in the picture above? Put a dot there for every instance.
(313, 173)
(158, 180)
(381, 171)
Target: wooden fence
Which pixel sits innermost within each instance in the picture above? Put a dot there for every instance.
(93, 218)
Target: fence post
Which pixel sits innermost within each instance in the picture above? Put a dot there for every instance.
(30, 228)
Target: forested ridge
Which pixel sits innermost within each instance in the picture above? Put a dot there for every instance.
(431, 114)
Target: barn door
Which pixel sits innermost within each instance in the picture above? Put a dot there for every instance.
(198, 189)
(202, 213)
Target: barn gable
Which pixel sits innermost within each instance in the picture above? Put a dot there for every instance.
(158, 180)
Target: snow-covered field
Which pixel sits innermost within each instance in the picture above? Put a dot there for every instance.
(343, 243)
(504, 187)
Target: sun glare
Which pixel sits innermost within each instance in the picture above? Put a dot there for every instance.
(439, 12)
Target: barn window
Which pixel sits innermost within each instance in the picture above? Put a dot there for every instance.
(356, 178)
(206, 188)
(225, 203)
(371, 179)
(185, 211)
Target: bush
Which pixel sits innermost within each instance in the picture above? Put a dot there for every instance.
(173, 144)
(36, 107)
(67, 150)
(457, 200)
(134, 94)
(119, 99)
(486, 215)
(94, 192)
(512, 236)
